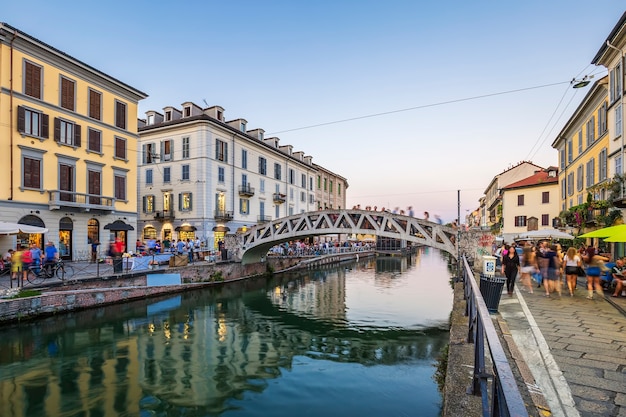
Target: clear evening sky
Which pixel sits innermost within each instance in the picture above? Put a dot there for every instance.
(461, 90)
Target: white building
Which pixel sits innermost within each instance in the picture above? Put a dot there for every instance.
(202, 176)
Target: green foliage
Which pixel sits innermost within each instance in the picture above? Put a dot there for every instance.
(442, 368)
(27, 293)
(217, 276)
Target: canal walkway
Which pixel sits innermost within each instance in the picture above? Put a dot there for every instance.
(571, 351)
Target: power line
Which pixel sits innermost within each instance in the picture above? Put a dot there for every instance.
(424, 106)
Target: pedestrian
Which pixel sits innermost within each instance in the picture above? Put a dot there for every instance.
(528, 267)
(180, 247)
(426, 215)
(552, 282)
(16, 263)
(189, 248)
(510, 269)
(27, 261)
(410, 211)
(94, 251)
(572, 262)
(595, 264)
(37, 255)
(50, 257)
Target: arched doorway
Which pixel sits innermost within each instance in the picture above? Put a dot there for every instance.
(66, 225)
(93, 231)
(26, 239)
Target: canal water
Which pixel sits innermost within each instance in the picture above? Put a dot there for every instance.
(356, 339)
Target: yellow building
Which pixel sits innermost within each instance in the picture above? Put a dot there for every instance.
(69, 152)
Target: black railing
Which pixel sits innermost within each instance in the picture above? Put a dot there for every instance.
(279, 198)
(222, 215)
(505, 399)
(164, 215)
(246, 190)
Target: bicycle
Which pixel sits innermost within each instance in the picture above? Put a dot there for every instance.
(37, 274)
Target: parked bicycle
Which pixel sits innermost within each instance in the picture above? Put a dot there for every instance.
(37, 274)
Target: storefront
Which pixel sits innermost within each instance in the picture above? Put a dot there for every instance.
(26, 239)
(186, 232)
(66, 226)
(219, 232)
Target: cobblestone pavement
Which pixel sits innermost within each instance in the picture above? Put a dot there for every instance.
(574, 349)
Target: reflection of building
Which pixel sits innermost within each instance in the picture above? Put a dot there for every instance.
(200, 175)
(68, 134)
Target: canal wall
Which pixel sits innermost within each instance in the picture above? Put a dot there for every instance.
(100, 291)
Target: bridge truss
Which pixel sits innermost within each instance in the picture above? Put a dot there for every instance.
(259, 239)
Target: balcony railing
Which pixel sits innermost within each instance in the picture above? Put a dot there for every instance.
(246, 191)
(60, 200)
(593, 215)
(222, 215)
(165, 215)
(263, 219)
(279, 198)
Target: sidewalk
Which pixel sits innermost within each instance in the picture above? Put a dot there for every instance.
(574, 350)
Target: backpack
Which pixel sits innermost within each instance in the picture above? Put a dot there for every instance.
(27, 257)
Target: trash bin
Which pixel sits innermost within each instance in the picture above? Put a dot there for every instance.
(117, 264)
(224, 254)
(489, 265)
(491, 290)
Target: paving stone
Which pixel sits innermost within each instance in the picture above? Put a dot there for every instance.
(581, 362)
(618, 377)
(593, 408)
(591, 393)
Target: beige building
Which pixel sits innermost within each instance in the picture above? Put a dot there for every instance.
(330, 189)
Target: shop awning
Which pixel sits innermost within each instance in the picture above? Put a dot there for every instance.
(118, 225)
(221, 229)
(186, 228)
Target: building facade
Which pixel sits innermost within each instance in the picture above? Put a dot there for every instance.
(69, 135)
(201, 176)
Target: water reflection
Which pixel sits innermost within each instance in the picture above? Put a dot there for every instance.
(319, 337)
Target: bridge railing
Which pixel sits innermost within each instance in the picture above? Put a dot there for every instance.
(332, 250)
(505, 399)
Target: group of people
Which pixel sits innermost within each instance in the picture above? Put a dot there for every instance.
(548, 264)
(187, 247)
(23, 258)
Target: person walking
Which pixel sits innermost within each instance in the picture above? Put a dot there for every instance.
(595, 262)
(552, 282)
(16, 263)
(510, 269)
(94, 251)
(529, 266)
(51, 255)
(572, 261)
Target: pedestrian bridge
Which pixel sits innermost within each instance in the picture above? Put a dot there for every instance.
(253, 245)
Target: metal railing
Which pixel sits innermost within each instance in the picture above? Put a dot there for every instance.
(223, 215)
(246, 190)
(59, 199)
(505, 399)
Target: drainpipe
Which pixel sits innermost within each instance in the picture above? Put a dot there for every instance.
(11, 115)
(622, 115)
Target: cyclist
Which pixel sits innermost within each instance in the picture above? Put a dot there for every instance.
(51, 256)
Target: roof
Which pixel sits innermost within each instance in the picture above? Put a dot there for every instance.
(618, 27)
(539, 178)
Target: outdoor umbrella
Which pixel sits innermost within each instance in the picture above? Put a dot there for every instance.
(619, 236)
(15, 228)
(606, 231)
(545, 234)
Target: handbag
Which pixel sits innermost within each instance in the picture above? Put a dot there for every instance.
(580, 271)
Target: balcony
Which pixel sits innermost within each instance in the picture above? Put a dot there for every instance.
(279, 198)
(263, 219)
(62, 200)
(223, 216)
(163, 216)
(246, 191)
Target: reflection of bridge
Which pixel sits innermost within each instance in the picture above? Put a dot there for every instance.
(254, 244)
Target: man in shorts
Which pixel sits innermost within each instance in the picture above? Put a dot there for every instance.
(618, 278)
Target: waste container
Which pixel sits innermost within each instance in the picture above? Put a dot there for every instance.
(224, 254)
(489, 265)
(491, 290)
(117, 264)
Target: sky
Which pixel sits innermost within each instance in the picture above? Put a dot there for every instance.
(413, 102)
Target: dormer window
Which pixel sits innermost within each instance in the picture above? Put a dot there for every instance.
(168, 115)
(261, 135)
(220, 116)
(150, 119)
(242, 127)
(188, 111)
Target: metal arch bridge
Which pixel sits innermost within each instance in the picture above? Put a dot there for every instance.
(257, 240)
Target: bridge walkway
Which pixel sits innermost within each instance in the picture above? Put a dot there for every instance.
(573, 348)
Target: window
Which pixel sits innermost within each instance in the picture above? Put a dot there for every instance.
(562, 158)
(262, 210)
(262, 185)
(187, 110)
(148, 153)
(615, 83)
(262, 166)
(319, 182)
(67, 93)
(602, 165)
(277, 173)
(520, 221)
(545, 197)
(303, 196)
(570, 183)
(310, 183)
(66, 132)
(244, 206)
(277, 188)
(95, 104)
(291, 194)
(563, 189)
(570, 152)
(545, 219)
(338, 189)
(618, 120)
(94, 141)
(580, 178)
(242, 127)
(311, 198)
(244, 180)
(591, 131)
(602, 119)
(148, 176)
(221, 150)
(184, 201)
(32, 122)
(220, 174)
(303, 180)
(168, 115)
(618, 164)
(167, 174)
(120, 148)
(591, 175)
(330, 188)
(185, 173)
(580, 142)
(186, 147)
(120, 187)
(148, 204)
(292, 176)
(520, 200)
(244, 159)
(32, 79)
(94, 179)
(325, 184)
(167, 150)
(31, 169)
(120, 114)
(167, 202)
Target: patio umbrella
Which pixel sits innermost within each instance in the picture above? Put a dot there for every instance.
(619, 236)
(545, 234)
(15, 228)
(606, 231)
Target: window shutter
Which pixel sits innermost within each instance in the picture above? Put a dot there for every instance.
(144, 203)
(45, 125)
(77, 135)
(190, 201)
(57, 129)
(217, 150)
(143, 154)
(180, 202)
(21, 119)
(161, 152)
(171, 150)
(225, 152)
